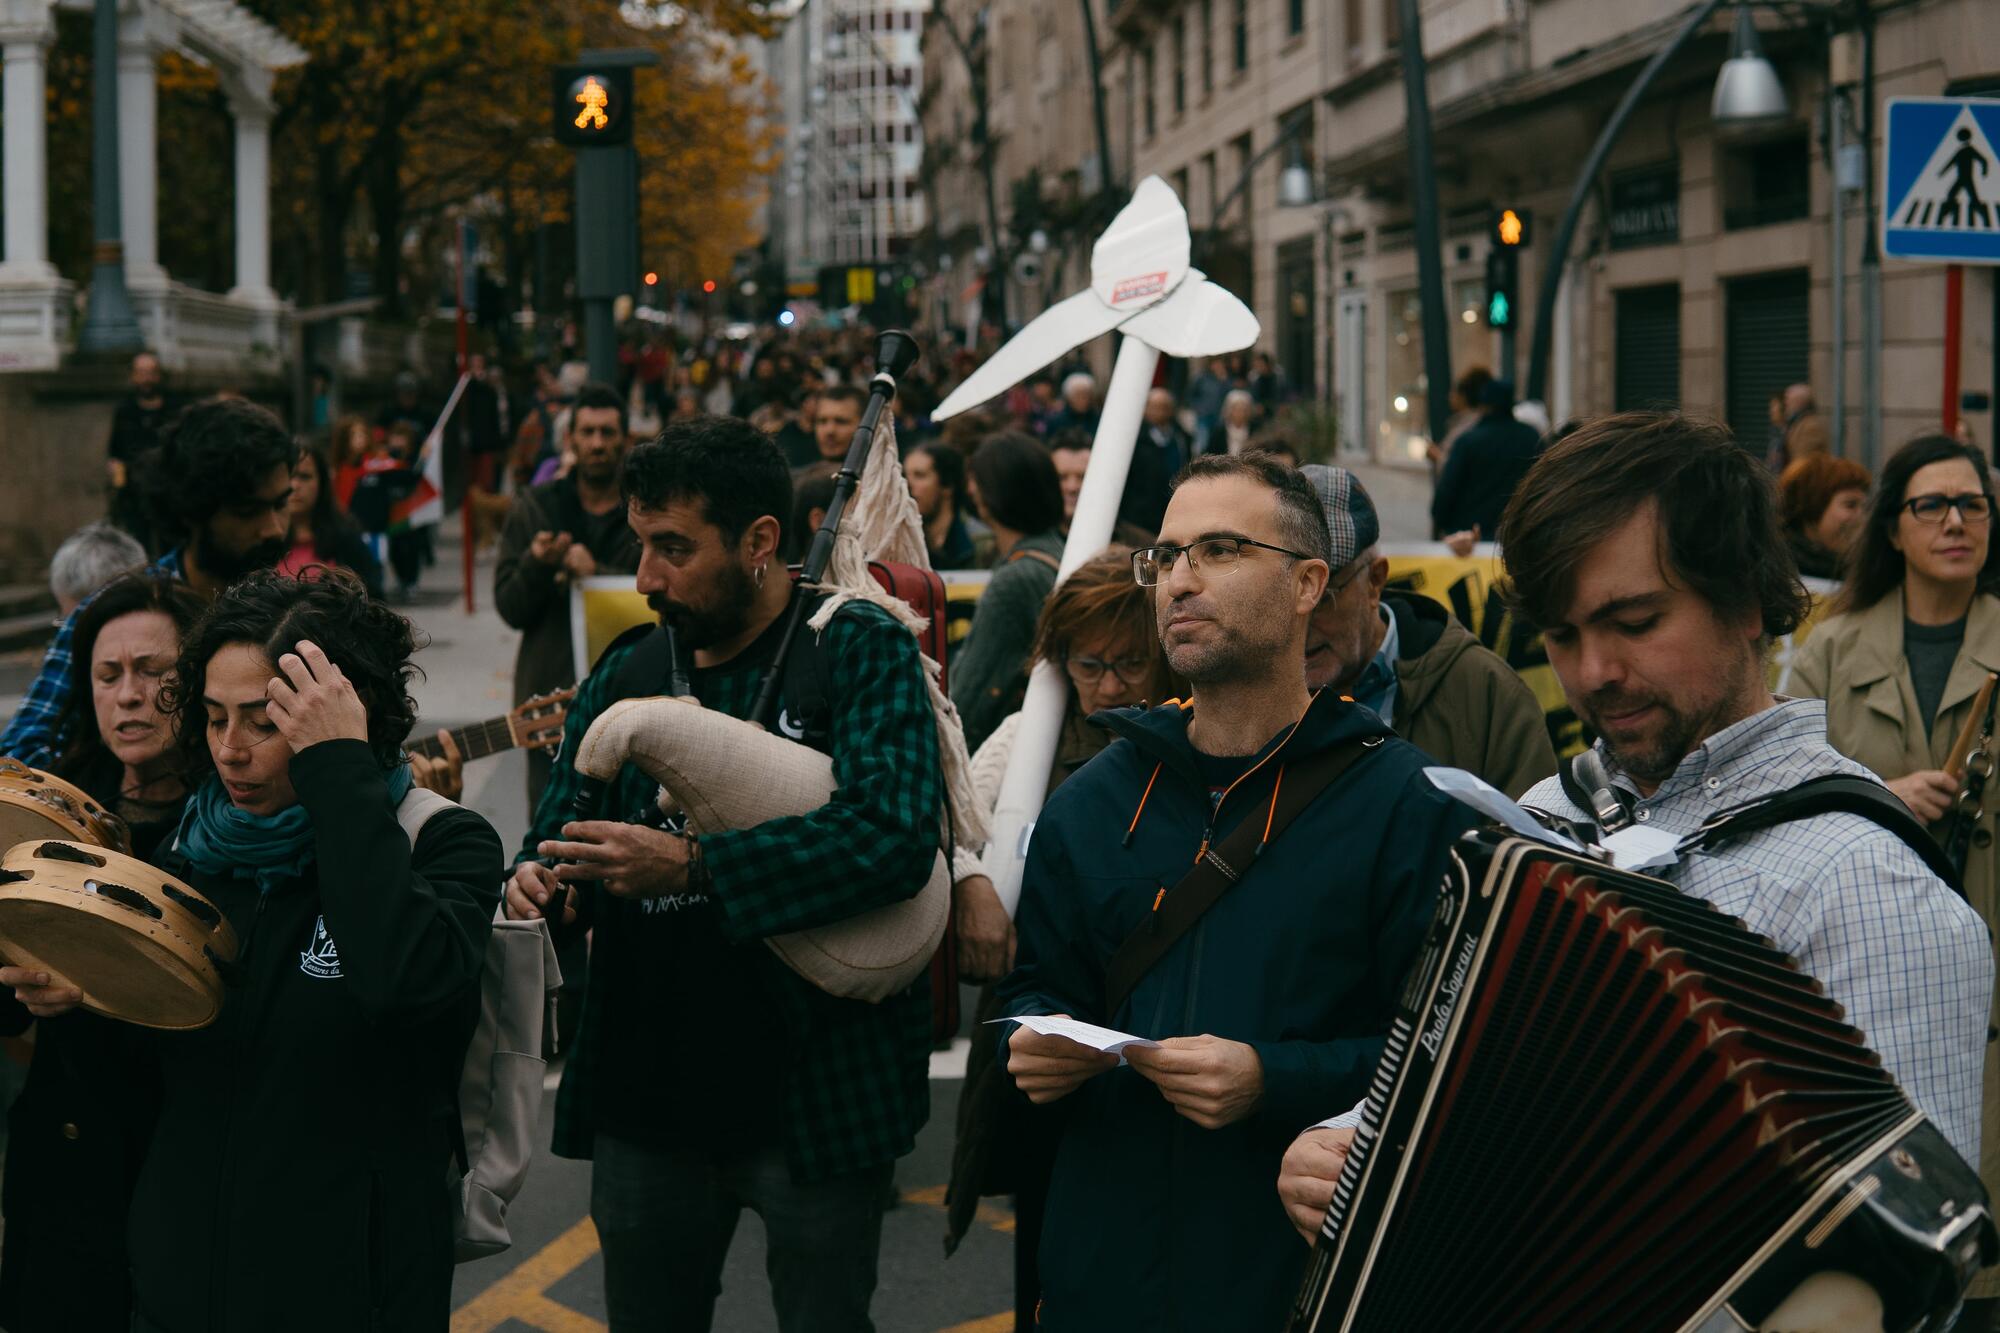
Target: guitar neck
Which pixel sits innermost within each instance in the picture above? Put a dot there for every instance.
(476, 740)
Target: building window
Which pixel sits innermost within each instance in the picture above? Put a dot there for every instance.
(1207, 186)
(1180, 64)
(1148, 75)
(1350, 22)
(1239, 35)
(1295, 17)
(1207, 35)
(1392, 24)
(1766, 182)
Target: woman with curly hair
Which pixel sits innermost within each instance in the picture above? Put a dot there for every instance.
(297, 1177)
(77, 1133)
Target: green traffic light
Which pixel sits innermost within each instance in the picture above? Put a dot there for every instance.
(1498, 310)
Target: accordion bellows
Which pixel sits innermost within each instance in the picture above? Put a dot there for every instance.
(728, 774)
(1606, 1105)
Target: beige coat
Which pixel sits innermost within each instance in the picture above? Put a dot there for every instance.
(1855, 662)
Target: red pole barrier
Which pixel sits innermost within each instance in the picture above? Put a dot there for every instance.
(1954, 306)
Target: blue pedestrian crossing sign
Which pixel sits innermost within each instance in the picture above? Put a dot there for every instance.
(1941, 195)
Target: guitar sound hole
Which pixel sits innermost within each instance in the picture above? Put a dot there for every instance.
(63, 851)
(201, 911)
(130, 899)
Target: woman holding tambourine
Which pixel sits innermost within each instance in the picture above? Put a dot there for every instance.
(297, 1178)
(77, 1133)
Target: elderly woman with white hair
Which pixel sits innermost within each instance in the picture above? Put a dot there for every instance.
(88, 559)
(1239, 411)
(1079, 409)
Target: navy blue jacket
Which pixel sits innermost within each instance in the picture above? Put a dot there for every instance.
(1154, 1222)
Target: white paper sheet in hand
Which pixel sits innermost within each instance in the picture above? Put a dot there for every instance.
(1083, 1034)
(1637, 847)
(1490, 801)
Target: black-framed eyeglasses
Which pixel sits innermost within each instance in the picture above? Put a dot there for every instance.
(1972, 507)
(1211, 557)
(1131, 670)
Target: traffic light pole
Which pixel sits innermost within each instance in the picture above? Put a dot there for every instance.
(594, 113)
(1424, 206)
(1586, 182)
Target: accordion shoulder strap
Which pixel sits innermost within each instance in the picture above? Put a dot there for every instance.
(1220, 867)
(1836, 792)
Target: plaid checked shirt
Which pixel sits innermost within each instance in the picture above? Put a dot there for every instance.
(857, 1087)
(31, 735)
(1906, 957)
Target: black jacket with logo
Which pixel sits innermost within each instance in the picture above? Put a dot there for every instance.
(298, 1177)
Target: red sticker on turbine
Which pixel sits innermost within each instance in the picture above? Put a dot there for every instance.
(1131, 289)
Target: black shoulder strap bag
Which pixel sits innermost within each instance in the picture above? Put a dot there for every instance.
(1222, 866)
(1842, 793)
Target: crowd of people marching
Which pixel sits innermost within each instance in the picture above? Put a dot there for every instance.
(231, 680)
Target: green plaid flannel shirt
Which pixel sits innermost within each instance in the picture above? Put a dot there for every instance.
(857, 1089)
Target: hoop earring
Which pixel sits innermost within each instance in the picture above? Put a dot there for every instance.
(760, 575)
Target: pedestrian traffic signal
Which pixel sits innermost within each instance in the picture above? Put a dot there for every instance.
(1511, 227)
(1502, 275)
(593, 105)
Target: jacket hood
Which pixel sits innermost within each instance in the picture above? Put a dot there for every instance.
(1429, 642)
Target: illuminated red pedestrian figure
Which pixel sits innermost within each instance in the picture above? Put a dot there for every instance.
(593, 99)
(1965, 162)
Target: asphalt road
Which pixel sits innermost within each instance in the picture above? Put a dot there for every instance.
(552, 1280)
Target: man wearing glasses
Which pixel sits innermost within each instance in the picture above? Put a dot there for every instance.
(1425, 674)
(1272, 1003)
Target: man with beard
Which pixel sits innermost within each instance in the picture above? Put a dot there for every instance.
(1646, 549)
(559, 532)
(1269, 1006)
(706, 1077)
(221, 487)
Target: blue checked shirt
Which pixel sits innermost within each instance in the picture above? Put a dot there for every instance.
(1906, 957)
(32, 736)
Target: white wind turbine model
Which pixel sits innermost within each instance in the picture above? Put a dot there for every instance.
(1142, 285)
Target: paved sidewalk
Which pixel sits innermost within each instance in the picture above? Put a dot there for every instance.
(1402, 499)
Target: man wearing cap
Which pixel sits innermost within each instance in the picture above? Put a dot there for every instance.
(1409, 660)
(1484, 466)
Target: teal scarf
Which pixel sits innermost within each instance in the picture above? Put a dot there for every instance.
(219, 839)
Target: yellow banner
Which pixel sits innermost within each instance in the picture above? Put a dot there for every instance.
(1467, 586)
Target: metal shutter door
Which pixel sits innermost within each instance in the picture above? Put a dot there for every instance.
(1649, 348)
(1767, 350)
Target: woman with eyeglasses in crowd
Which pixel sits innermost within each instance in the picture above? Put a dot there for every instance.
(1098, 627)
(1915, 629)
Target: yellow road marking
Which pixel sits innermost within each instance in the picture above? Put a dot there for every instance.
(932, 1196)
(518, 1295)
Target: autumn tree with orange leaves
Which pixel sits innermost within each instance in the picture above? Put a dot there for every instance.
(410, 110)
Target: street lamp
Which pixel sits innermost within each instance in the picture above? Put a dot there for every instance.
(1748, 93)
(1297, 189)
(1295, 183)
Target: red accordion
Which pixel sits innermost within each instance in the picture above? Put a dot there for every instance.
(1606, 1105)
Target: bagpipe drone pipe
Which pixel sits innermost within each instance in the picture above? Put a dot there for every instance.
(1606, 1105)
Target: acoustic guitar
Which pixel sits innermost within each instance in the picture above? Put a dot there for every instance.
(535, 724)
